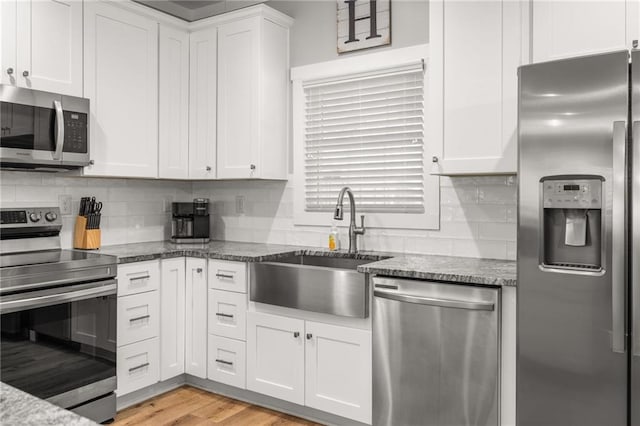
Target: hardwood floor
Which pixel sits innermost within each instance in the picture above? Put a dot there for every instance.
(190, 406)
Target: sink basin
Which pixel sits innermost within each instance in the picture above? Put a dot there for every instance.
(329, 285)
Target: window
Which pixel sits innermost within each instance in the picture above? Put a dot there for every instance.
(364, 129)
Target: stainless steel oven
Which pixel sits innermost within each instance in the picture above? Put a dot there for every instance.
(42, 130)
(58, 316)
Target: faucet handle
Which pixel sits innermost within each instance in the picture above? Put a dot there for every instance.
(361, 229)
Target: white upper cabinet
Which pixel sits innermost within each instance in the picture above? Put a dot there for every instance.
(573, 28)
(475, 50)
(202, 104)
(173, 142)
(42, 45)
(121, 81)
(253, 84)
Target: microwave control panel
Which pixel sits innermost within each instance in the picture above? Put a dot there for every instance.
(76, 132)
(572, 194)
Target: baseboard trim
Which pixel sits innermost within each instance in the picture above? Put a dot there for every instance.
(244, 395)
(135, 397)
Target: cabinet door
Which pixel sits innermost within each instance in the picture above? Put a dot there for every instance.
(480, 45)
(138, 317)
(196, 318)
(338, 370)
(172, 296)
(275, 356)
(227, 314)
(238, 99)
(227, 361)
(173, 138)
(202, 104)
(121, 81)
(49, 46)
(137, 366)
(567, 28)
(8, 37)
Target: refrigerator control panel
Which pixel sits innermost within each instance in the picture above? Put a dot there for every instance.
(572, 194)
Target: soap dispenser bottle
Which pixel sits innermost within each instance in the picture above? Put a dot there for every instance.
(334, 238)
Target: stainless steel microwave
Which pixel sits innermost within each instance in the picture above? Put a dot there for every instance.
(42, 130)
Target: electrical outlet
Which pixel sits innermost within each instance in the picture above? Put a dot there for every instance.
(64, 202)
(239, 204)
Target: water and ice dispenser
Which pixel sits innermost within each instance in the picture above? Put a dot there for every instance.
(572, 223)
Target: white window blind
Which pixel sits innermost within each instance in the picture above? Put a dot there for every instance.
(366, 132)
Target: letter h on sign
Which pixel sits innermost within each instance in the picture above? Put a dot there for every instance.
(363, 24)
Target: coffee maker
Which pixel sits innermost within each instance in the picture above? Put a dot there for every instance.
(190, 221)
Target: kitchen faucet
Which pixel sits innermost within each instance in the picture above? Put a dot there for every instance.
(354, 231)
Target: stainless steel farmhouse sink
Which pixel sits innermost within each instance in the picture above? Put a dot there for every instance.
(324, 284)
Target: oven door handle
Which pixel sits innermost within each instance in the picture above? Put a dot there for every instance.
(55, 296)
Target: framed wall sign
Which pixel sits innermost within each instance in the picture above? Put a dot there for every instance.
(363, 24)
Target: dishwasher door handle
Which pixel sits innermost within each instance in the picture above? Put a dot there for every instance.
(445, 303)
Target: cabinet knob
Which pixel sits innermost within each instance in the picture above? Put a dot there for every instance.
(309, 336)
(635, 44)
(252, 167)
(208, 168)
(25, 73)
(91, 162)
(10, 71)
(199, 270)
(434, 159)
(296, 334)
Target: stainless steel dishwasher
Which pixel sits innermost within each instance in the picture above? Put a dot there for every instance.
(435, 353)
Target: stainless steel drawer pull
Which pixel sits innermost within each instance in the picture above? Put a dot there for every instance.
(221, 361)
(145, 277)
(140, 318)
(219, 275)
(445, 303)
(220, 314)
(132, 369)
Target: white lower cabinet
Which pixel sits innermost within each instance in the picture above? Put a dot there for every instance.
(227, 314)
(138, 317)
(319, 365)
(227, 361)
(338, 370)
(138, 366)
(172, 318)
(196, 318)
(275, 356)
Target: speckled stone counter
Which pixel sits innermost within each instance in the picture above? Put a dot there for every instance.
(441, 268)
(446, 268)
(20, 408)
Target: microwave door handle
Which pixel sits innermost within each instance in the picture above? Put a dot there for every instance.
(59, 130)
(618, 310)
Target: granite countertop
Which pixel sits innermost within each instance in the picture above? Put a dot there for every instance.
(446, 268)
(441, 268)
(20, 408)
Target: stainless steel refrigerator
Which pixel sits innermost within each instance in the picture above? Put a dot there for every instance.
(579, 242)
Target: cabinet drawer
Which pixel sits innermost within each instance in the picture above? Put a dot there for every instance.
(138, 366)
(138, 277)
(138, 317)
(227, 314)
(227, 361)
(230, 276)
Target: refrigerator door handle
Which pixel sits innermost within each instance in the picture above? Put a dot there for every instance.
(635, 248)
(618, 310)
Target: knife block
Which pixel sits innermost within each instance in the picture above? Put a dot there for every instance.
(85, 238)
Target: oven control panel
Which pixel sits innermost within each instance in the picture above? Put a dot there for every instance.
(29, 217)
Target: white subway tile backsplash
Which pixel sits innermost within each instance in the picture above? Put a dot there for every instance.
(478, 214)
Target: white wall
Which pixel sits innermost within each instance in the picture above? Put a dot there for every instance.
(132, 210)
(478, 218)
(313, 36)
